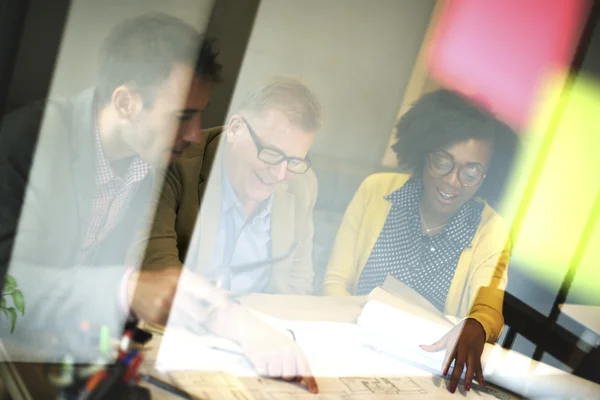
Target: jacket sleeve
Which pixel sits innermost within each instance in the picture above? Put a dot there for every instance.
(58, 296)
(160, 248)
(301, 276)
(489, 279)
(343, 262)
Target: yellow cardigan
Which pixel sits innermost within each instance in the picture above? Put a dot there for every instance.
(477, 289)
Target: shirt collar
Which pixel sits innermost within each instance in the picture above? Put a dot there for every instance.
(137, 170)
(407, 196)
(104, 173)
(462, 226)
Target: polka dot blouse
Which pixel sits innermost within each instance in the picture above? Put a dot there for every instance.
(424, 263)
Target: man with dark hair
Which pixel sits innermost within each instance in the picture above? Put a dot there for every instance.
(165, 40)
(76, 178)
(81, 173)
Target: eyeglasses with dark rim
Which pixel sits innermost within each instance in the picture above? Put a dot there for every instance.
(275, 157)
(442, 164)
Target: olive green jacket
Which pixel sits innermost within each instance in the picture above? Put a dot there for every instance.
(187, 185)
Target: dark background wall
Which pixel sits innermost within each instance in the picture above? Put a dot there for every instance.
(12, 16)
(56, 50)
(231, 23)
(37, 51)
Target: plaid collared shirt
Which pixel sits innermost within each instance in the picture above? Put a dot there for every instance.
(113, 195)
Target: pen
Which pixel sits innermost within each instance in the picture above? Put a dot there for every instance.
(114, 375)
(243, 357)
(291, 332)
(92, 384)
(232, 352)
(167, 387)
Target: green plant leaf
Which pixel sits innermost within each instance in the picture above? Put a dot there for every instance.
(19, 301)
(3, 303)
(5, 312)
(10, 284)
(12, 312)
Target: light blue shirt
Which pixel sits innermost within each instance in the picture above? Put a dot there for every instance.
(241, 241)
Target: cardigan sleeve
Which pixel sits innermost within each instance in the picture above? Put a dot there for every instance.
(358, 231)
(488, 281)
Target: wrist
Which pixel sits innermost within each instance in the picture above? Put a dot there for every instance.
(476, 323)
(228, 321)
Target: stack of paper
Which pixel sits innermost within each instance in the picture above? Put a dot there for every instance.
(376, 357)
(395, 332)
(396, 324)
(344, 369)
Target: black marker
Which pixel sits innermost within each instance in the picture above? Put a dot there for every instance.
(167, 387)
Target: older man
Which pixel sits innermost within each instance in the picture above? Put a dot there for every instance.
(254, 231)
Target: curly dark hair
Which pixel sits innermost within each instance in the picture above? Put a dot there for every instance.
(443, 118)
(142, 51)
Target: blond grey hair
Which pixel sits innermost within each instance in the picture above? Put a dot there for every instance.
(288, 95)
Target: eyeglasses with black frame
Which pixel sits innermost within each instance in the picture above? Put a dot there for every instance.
(275, 157)
(441, 164)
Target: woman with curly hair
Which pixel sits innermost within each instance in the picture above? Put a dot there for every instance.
(432, 228)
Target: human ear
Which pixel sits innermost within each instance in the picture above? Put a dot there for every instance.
(233, 128)
(126, 102)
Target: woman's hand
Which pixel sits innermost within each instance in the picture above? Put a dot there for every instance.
(463, 345)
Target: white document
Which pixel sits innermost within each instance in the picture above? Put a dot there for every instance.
(343, 367)
(401, 296)
(181, 350)
(219, 386)
(379, 357)
(359, 388)
(398, 333)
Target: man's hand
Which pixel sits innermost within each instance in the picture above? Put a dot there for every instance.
(463, 345)
(188, 298)
(152, 294)
(275, 355)
(272, 353)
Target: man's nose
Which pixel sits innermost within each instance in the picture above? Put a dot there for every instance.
(279, 171)
(193, 132)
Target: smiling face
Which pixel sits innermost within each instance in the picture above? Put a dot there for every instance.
(253, 179)
(466, 162)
